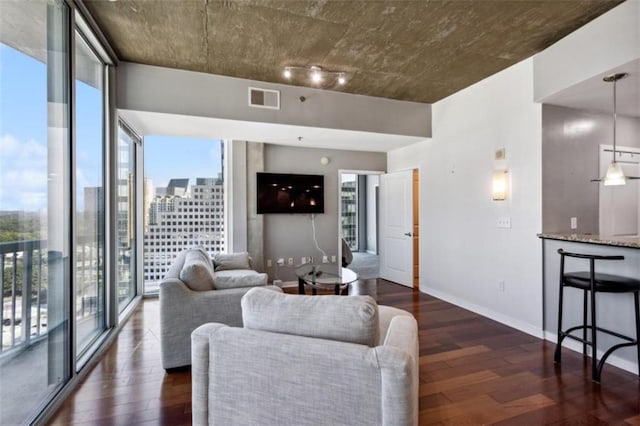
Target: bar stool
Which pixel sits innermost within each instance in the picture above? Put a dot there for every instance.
(591, 283)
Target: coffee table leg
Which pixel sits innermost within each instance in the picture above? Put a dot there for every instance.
(300, 286)
(337, 290)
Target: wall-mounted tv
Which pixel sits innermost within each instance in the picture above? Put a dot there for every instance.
(290, 193)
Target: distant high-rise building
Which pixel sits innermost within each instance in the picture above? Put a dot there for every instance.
(178, 187)
(180, 222)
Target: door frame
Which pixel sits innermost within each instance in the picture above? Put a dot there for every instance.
(405, 169)
(350, 172)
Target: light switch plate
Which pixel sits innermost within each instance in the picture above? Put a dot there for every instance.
(504, 222)
(574, 223)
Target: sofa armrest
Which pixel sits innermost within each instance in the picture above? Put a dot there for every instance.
(200, 372)
(399, 362)
(182, 310)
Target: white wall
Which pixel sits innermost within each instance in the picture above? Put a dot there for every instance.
(463, 255)
(290, 235)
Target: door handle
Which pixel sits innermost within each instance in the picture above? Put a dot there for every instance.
(408, 234)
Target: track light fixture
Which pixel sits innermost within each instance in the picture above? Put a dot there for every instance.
(316, 74)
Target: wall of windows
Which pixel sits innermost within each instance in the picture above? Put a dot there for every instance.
(90, 194)
(35, 205)
(125, 214)
(53, 216)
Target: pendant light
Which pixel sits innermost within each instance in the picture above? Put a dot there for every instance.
(614, 175)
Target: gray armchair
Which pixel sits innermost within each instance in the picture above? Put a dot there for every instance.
(192, 294)
(307, 360)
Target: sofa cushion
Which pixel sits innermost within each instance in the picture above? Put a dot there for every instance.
(236, 278)
(352, 319)
(225, 262)
(197, 271)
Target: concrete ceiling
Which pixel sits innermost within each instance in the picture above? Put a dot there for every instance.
(408, 50)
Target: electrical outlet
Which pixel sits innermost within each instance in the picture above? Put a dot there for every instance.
(333, 259)
(574, 223)
(325, 259)
(290, 261)
(501, 286)
(268, 263)
(504, 222)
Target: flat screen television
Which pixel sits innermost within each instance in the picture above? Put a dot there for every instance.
(290, 193)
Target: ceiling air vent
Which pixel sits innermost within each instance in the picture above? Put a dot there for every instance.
(264, 98)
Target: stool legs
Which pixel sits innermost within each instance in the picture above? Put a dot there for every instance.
(557, 356)
(595, 372)
(584, 321)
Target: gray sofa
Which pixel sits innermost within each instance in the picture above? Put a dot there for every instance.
(307, 360)
(193, 293)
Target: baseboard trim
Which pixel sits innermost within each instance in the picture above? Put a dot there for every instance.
(614, 360)
(488, 313)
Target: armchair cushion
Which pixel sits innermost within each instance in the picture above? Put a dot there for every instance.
(225, 262)
(197, 271)
(352, 319)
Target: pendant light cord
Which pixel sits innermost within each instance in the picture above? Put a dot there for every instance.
(615, 114)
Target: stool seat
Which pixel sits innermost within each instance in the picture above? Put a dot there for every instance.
(605, 283)
(591, 283)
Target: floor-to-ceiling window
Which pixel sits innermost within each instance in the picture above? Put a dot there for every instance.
(35, 205)
(89, 193)
(125, 215)
(183, 201)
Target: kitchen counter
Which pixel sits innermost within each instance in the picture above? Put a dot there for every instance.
(630, 242)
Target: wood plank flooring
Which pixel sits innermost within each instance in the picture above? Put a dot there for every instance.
(472, 371)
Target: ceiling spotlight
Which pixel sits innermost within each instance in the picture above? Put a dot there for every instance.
(316, 74)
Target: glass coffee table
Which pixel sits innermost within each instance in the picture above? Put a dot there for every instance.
(324, 276)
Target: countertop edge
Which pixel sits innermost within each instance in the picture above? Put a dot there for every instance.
(593, 239)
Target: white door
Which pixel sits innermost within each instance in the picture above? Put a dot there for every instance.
(396, 224)
(619, 205)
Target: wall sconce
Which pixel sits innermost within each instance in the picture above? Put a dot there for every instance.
(500, 185)
(324, 160)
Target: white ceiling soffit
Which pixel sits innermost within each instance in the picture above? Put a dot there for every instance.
(596, 95)
(153, 123)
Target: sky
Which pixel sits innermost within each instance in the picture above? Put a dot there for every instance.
(167, 157)
(23, 139)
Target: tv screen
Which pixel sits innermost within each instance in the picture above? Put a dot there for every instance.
(290, 193)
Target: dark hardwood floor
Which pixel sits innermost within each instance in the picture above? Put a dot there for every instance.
(472, 371)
